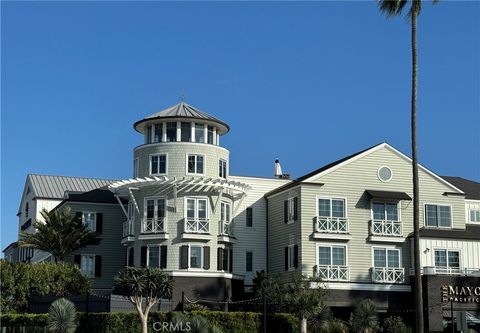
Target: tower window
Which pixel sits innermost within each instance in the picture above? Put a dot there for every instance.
(171, 131)
(186, 132)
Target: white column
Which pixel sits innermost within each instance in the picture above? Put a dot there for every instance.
(192, 133)
(164, 132)
(214, 135)
(205, 134)
(218, 139)
(179, 131)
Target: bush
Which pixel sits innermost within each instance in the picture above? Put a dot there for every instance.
(364, 318)
(226, 322)
(394, 325)
(20, 281)
(62, 316)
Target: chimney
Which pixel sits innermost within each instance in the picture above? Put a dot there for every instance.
(277, 170)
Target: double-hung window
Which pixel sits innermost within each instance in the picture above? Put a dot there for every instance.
(195, 164)
(291, 257)
(385, 211)
(89, 219)
(386, 219)
(222, 168)
(290, 210)
(153, 256)
(331, 215)
(225, 215)
(438, 216)
(474, 216)
(197, 215)
(210, 135)
(87, 265)
(196, 256)
(158, 164)
(447, 260)
(332, 262)
(249, 262)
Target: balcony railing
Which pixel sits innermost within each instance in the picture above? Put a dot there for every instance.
(225, 228)
(333, 273)
(154, 225)
(433, 270)
(197, 226)
(127, 228)
(388, 275)
(337, 225)
(386, 228)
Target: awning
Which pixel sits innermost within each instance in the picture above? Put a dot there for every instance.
(388, 195)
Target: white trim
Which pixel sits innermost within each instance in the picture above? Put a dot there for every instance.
(202, 260)
(179, 132)
(365, 286)
(199, 273)
(322, 244)
(220, 160)
(196, 197)
(150, 164)
(193, 144)
(329, 236)
(385, 202)
(436, 204)
(372, 150)
(440, 248)
(386, 239)
(159, 253)
(331, 198)
(386, 248)
(378, 173)
(204, 164)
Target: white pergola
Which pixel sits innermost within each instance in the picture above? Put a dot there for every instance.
(174, 185)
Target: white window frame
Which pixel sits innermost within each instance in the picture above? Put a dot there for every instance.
(196, 198)
(150, 164)
(437, 226)
(221, 170)
(291, 209)
(204, 164)
(469, 217)
(291, 257)
(380, 178)
(317, 209)
(84, 219)
(387, 248)
(155, 206)
(82, 267)
(201, 257)
(460, 263)
(330, 245)
(385, 202)
(159, 254)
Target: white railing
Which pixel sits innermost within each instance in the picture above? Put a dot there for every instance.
(197, 225)
(433, 270)
(388, 275)
(338, 225)
(154, 225)
(387, 228)
(127, 228)
(333, 273)
(225, 228)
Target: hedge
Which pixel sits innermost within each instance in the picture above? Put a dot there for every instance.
(228, 322)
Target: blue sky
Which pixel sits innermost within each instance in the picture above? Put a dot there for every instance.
(306, 82)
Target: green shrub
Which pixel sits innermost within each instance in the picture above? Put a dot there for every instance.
(394, 325)
(20, 281)
(364, 318)
(62, 316)
(226, 322)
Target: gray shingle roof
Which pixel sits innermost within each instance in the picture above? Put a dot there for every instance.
(54, 187)
(183, 110)
(471, 188)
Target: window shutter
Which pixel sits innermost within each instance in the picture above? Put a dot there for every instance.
(231, 261)
(184, 256)
(99, 223)
(285, 211)
(295, 256)
(77, 260)
(286, 258)
(143, 256)
(163, 256)
(78, 215)
(295, 208)
(98, 266)
(130, 257)
(206, 257)
(219, 259)
(127, 252)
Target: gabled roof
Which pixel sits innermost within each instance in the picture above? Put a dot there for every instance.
(471, 188)
(99, 195)
(182, 110)
(346, 160)
(54, 187)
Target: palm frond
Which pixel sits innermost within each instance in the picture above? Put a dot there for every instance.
(392, 7)
(62, 316)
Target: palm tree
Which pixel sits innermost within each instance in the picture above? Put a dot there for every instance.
(364, 318)
(143, 287)
(60, 234)
(394, 8)
(62, 316)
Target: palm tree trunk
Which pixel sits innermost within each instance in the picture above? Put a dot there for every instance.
(303, 325)
(416, 201)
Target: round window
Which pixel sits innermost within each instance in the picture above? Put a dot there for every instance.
(385, 174)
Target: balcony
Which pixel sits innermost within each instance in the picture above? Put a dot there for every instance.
(128, 228)
(225, 232)
(197, 229)
(333, 273)
(388, 275)
(441, 270)
(331, 228)
(154, 228)
(386, 231)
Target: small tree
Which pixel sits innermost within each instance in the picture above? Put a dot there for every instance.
(364, 318)
(62, 317)
(60, 234)
(143, 287)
